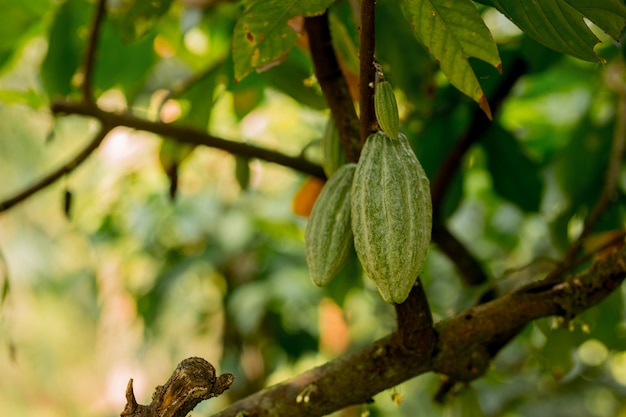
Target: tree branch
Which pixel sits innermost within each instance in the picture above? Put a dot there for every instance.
(466, 264)
(367, 70)
(188, 135)
(192, 382)
(479, 126)
(90, 56)
(415, 322)
(462, 350)
(334, 86)
(59, 172)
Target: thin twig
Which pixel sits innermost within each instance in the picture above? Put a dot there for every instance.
(367, 69)
(333, 84)
(59, 172)
(90, 55)
(184, 134)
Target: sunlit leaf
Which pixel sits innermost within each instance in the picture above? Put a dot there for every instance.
(265, 33)
(559, 24)
(453, 32)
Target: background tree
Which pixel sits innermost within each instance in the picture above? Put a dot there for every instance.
(173, 137)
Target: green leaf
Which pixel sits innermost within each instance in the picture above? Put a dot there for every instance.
(264, 33)
(123, 65)
(139, 16)
(66, 47)
(464, 404)
(199, 97)
(242, 172)
(291, 77)
(559, 24)
(17, 18)
(453, 31)
(515, 176)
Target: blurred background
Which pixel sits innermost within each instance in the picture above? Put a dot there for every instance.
(107, 278)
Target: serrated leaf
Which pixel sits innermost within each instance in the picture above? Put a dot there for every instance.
(515, 176)
(265, 33)
(453, 31)
(559, 24)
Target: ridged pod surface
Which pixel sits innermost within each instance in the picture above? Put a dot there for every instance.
(333, 155)
(386, 109)
(328, 233)
(391, 215)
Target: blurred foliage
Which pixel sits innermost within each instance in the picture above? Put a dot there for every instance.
(134, 281)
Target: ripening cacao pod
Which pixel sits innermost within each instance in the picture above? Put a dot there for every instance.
(386, 109)
(333, 155)
(328, 233)
(391, 215)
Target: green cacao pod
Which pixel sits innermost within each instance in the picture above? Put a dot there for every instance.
(386, 109)
(391, 215)
(328, 233)
(333, 155)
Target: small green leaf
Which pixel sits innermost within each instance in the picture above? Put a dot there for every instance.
(65, 50)
(265, 33)
(453, 31)
(171, 155)
(559, 24)
(515, 176)
(242, 172)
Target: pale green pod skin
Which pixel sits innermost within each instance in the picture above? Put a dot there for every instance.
(386, 109)
(333, 156)
(328, 233)
(391, 215)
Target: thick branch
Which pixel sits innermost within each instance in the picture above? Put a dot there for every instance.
(192, 382)
(334, 86)
(58, 173)
(415, 322)
(367, 70)
(461, 351)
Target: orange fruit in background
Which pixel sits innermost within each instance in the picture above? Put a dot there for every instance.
(306, 196)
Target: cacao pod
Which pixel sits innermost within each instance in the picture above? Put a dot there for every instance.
(391, 215)
(386, 109)
(328, 233)
(333, 155)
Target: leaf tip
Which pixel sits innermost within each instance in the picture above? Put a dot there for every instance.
(484, 106)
